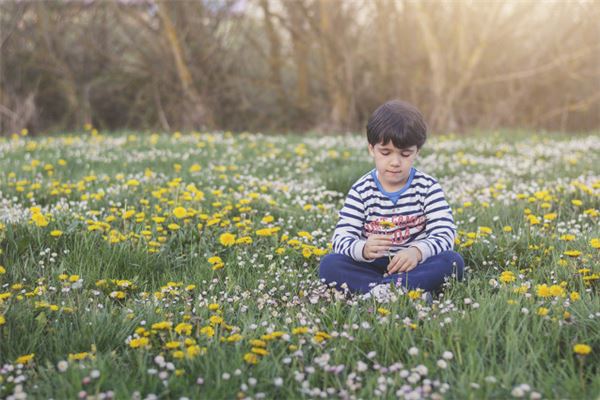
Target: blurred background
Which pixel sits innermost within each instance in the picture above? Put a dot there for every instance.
(297, 65)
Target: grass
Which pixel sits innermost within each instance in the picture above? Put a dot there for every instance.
(81, 300)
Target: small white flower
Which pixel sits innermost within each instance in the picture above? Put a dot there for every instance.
(278, 381)
(413, 351)
(517, 392)
(62, 365)
(361, 366)
(447, 355)
(442, 364)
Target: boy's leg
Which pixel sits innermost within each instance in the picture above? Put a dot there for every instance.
(430, 275)
(358, 276)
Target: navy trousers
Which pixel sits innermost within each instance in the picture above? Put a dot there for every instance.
(362, 276)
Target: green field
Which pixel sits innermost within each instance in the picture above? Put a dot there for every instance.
(138, 265)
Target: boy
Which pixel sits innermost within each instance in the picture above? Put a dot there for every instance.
(394, 210)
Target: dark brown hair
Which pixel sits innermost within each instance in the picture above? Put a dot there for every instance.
(398, 121)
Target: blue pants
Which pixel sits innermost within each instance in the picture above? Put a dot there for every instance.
(362, 276)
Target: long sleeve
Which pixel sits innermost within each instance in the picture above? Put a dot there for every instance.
(440, 227)
(347, 237)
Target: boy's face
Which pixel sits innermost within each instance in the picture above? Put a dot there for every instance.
(393, 164)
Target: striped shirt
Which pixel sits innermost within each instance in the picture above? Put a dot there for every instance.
(415, 216)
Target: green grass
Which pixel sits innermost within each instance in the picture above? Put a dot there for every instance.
(57, 298)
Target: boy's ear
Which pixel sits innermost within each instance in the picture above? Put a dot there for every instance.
(371, 150)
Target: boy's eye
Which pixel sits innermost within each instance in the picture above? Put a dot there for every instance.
(385, 153)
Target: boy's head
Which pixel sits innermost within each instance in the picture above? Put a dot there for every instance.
(396, 132)
(398, 122)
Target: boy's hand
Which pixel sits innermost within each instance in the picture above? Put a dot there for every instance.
(377, 246)
(405, 260)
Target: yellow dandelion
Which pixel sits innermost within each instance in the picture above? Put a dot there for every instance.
(184, 328)
(582, 349)
(180, 212)
(572, 253)
(25, 359)
(162, 326)
(227, 239)
(56, 233)
(250, 358)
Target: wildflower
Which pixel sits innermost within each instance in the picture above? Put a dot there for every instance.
(2, 320)
(260, 351)
(39, 220)
(567, 237)
(80, 356)
(139, 343)
(258, 343)
(194, 351)
(485, 230)
(300, 330)
(180, 212)
(542, 311)
(117, 294)
(56, 233)
(383, 311)
(574, 296)
(267, 219)
(213, 306)
(507, 229)
(236, 337)
(173, 345)
(507, 277)
(2, 270)
(215, 320)
(209, 331)
(576, 202)
(62, 366)
(227, 239)
(582, 349)
(162, 326)
(543, 290)
(251, 358)
(184, 328)
(414, 294)
(306, 252)
(178, 354)
(25, 359)
(572, 253)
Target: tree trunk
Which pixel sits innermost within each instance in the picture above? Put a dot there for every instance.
(196, 114)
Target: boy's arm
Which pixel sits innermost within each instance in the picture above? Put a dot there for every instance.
(347, 237)
(440, 227)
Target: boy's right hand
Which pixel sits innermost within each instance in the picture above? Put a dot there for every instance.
(377, 246)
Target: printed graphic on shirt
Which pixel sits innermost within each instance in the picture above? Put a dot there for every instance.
(399, 227)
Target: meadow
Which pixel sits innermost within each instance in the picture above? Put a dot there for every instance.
(186, 266)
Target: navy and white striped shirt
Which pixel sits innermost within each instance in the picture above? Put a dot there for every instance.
(415, 216)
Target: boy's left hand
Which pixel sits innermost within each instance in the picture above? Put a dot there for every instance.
(405, 260)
